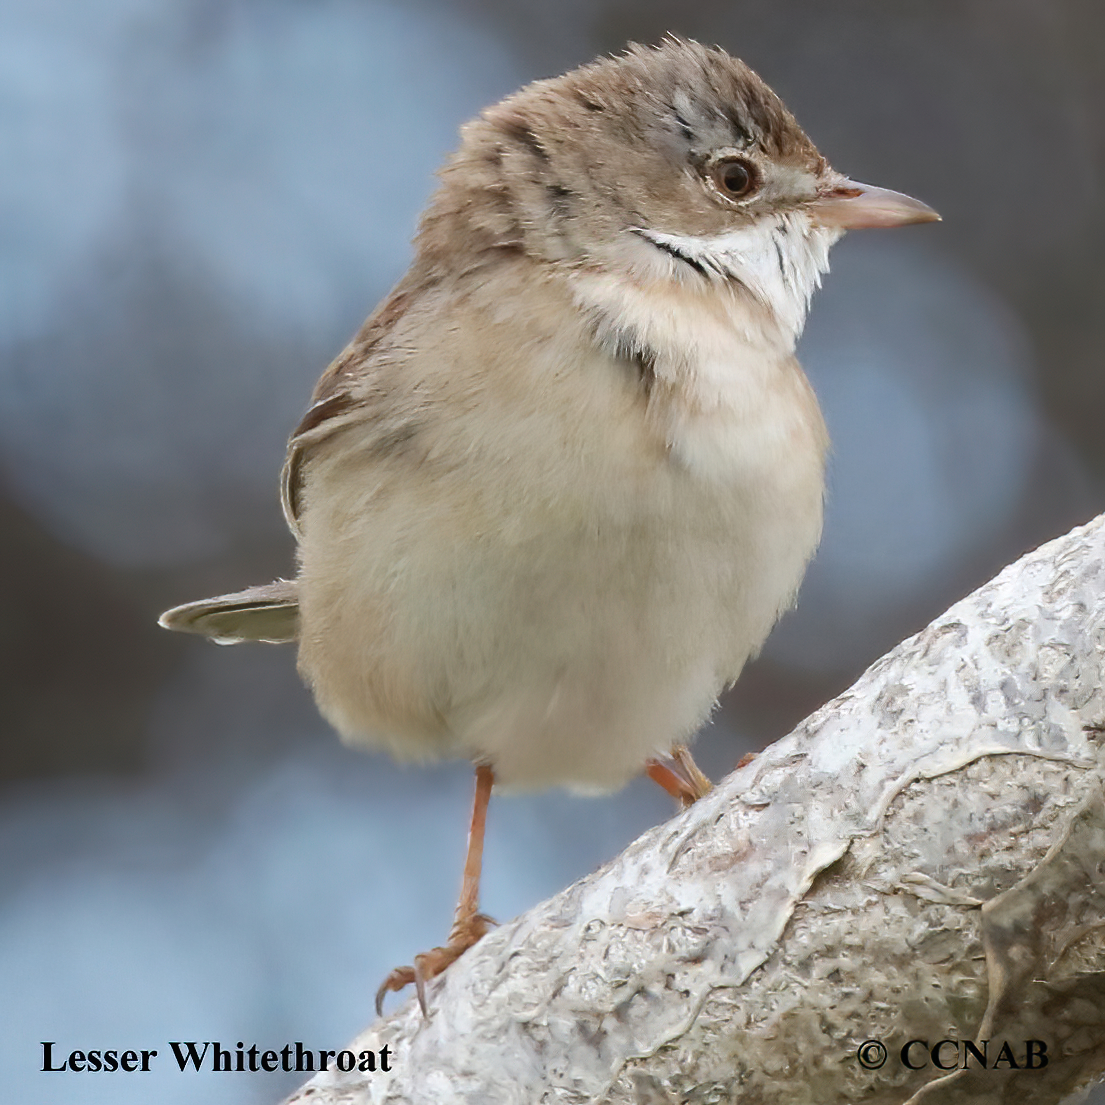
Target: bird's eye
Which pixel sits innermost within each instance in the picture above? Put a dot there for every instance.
(735, 177)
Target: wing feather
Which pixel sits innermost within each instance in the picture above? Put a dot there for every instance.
(338, 400)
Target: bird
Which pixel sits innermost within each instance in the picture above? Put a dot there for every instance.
(557, 490)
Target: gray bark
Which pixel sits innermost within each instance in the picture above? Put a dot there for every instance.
(921, 859)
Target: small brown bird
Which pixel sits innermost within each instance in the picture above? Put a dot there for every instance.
(557, 490)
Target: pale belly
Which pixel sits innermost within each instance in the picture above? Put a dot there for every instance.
(560, 649)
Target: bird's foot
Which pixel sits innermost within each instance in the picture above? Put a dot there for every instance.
(465, 932)
(680, 776)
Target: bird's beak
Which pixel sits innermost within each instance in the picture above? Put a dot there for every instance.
(849, 205)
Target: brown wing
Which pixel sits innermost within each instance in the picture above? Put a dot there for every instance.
(325, 418)
(340, 400)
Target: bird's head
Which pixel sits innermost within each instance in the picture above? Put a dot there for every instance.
(671, 162)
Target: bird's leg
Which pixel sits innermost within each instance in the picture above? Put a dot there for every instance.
(680, 776)
(468, 923)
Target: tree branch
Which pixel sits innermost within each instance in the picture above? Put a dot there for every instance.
(922, 859)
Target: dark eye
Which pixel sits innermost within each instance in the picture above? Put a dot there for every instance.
(735, 177)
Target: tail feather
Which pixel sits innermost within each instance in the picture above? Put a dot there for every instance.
(267, 613)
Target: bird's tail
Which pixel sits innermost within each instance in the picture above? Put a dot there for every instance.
(267, 613)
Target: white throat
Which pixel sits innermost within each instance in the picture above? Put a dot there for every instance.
(780, 259)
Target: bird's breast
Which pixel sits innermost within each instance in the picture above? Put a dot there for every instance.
(569, 561)
(726, 394)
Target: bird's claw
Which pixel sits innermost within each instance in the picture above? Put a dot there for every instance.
(465, 932)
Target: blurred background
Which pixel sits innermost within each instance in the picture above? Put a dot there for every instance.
(199, 202)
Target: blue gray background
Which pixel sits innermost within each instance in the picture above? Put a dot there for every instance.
(199, 202)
